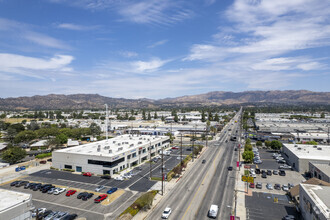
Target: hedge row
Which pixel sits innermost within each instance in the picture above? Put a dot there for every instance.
(41, 156)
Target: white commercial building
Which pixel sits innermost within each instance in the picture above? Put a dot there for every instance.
(314, 202)
(112, 156)
(299, 155)
(15, 205)
(320, 170)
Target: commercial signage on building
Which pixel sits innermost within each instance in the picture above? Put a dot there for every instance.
(115, 158)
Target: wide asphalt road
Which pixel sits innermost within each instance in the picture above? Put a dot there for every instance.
(193, 188)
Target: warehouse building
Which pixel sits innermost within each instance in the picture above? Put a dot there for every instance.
(320, 170)
(314, 202)
(15, 205)
(110, 156)
(299, 155)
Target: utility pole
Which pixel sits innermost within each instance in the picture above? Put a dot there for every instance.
(181, 155)
(162, 171)
(106, 121)
(150, 158)
(193, 143)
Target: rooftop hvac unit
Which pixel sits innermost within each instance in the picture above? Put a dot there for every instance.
(114, 142)
(299, 148)
(122, 143)
(98, 149)
(315, 146)
(295, 145)
(110, 151)
(140, 142)
(144, 139)
(126, 142)
(119, 144)
(140, 138)
(319, 148)
(120, 148)
(131, 145)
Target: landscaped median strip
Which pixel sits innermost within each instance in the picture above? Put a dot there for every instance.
(112, 197)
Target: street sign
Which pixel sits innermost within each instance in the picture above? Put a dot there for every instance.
(244, 178)
(232, 217)
(249, 179)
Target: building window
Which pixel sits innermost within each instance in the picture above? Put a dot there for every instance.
(78, 169)
(134, 155)
(67, 166)
(106, 163)
(128, 157)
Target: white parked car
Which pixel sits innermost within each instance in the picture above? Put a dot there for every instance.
(119, 178)
(166, 212)
(59, 191)
(99, 188)
(269, 186)
(40, 211)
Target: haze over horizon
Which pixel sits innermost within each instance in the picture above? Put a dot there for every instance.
(163, 48)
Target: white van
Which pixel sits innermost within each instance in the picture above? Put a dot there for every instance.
(213, 212)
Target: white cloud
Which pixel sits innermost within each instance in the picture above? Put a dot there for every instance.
(158, 43)
(34, 67)
(128, 54)
(147, 66)
(45, 40)
(76, 27)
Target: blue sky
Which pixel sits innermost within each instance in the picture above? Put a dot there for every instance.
(162, 48)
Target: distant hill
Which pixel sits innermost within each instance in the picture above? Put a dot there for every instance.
(217, 98)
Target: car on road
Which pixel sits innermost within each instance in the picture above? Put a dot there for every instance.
(89, 174)
(230, 168)
(213, 211)
(70, 192)
(112, 190)
(106, 177)
(252, 185)
(203, 161)
(259, 186)
(167, 212)
(269, 186)
(99, 188)
(100, 198)
(43, 162)
(285, 188)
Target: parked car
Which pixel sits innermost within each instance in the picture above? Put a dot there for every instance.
(288, 217)
(87, 196)
(70, 217)
(99, 188)
(100, 198)
(175, 148)
(167, 212)
(51, 215)
(277, 186)
(119, 178)
(259, 186)
(51, 190)
(112, 190)
(59, 191)
(275, 172)
(282, 173)
(252, 185)
(43, 162)
(258, 171)
(80, 195)
(106, 177)
(89, 174)
(47, 212)
(40, 211)
(269, 186)
(290, 185)
(60, 215)
(14, 183)
(37, 187)
(285, 167)
(21, 183)
(70, 192)
(269, 172)
(285, 188)
(264, 175)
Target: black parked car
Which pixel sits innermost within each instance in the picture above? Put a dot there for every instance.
(47, 212)
(45, 185)
(277, 186)
(14, 183)
(85, 197)
(80, 195)
(269, 172)
(264, 175)
(106, 177)
(21, 183)
(47, 188)
(70, 217)
(282, 173)
(37, 187)
(258, 171)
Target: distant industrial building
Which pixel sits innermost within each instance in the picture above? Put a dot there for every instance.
(320, 170)
(15, 205)
(314, 202)
(299, 155)
(110, 156)
(311, 136)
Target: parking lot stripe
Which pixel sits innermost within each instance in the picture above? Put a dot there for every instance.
(52, 203)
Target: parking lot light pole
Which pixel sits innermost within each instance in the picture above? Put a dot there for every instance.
(181, 156)
(150, 158)
(162, 171)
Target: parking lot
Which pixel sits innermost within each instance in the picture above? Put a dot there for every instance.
(269, 163)
(261, 206)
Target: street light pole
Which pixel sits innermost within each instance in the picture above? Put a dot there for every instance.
(162, 171)
(181, 155)
(150, 158)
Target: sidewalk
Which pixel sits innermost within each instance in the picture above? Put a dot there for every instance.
(241, 192)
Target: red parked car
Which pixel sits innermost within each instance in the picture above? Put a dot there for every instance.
(252, 185)
(70, 192)
(87, 174)
(100, 198)
(175, 148)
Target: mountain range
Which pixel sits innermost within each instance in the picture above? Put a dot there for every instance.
(216, 98)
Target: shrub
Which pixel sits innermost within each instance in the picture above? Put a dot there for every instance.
(41, 156)
(69, 170)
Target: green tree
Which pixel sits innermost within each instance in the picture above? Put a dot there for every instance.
(155, 115)
(176, 119)
(276, 145)
(248, 147)
(163, 118)
(25, 136)
(24, 121)
(184, 118)
(33, 125)
(216, 117)
(210, 117)
(143, 114)
(18, 127)
(4, 125)
(61, 139)
(149, 116)
(248, 156)
(11, 133)
(259, 143)
(322, 115)
(13, 155)
(248, 141)
(267, 143)
(203, 116)
(95, 129)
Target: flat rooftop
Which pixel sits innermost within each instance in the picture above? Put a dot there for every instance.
(115, 146)
(323, 167)
(304, 151)
(10, 198)
(320, 195)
